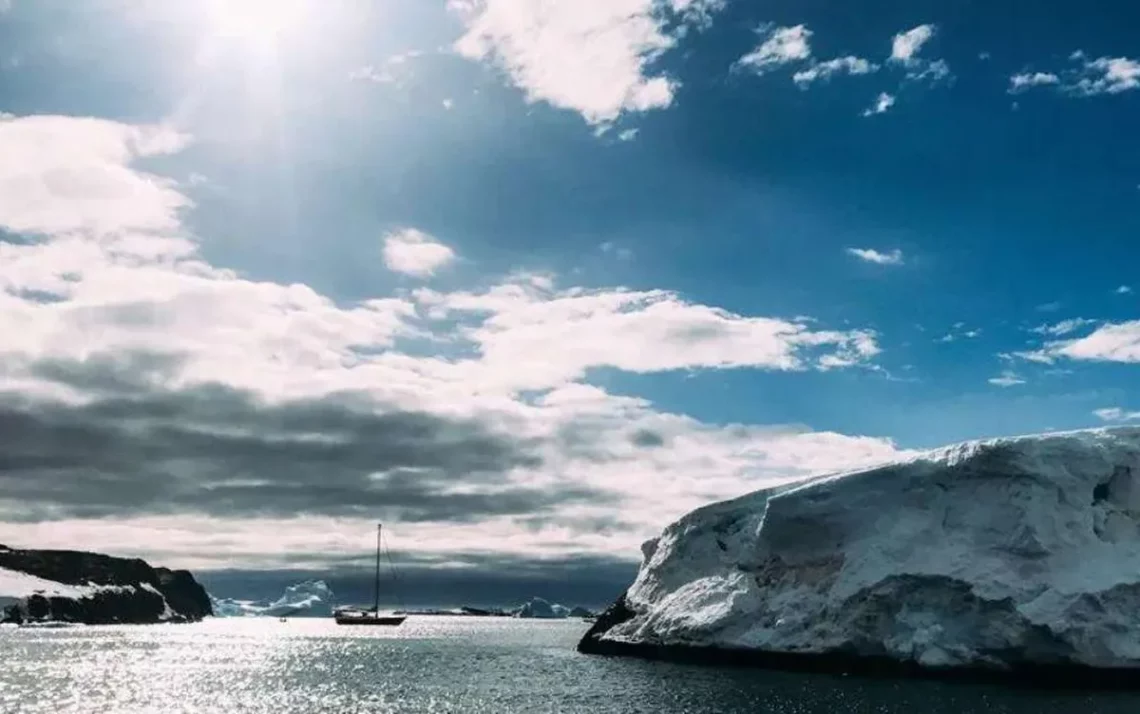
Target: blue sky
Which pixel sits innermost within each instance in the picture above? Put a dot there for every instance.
(776, 237)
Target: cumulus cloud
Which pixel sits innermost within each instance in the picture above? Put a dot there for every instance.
(780, 46)
(590, 56)
(1123, 290)
(413, 252)
(882, 104)
(906, 48)
(906, 45)
(870, 255)
(61, 175)
(1024, 80)
(840, 65)
(1086, 77)
(209, 413)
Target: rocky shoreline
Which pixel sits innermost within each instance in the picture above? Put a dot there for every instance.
(92, 588)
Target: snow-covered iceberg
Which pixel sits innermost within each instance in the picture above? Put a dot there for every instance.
(1005, 555)
(311, 598)
(539, 608)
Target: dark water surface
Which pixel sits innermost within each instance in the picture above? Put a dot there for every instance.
(437, 664)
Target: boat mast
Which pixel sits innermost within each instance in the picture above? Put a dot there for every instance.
(376, 591)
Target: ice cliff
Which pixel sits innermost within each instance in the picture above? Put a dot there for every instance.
(311, 598)
(998, 555)
(74, 586)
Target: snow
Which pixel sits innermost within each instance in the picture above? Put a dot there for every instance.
(542, 609)
(986, 553)
(168, 612)
(17, 586)
(311, 598)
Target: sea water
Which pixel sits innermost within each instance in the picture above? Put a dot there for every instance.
(437, 664)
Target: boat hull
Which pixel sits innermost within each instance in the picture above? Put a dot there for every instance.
(382, 620)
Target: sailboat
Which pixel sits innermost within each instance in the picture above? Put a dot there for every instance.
(373, 617)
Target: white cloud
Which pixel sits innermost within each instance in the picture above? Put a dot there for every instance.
(1109, 75)
(781, 45)
(635, 331)
(1119, 342)
(447, 104)
(589, 56)
(114, 274)
(905, 48)
(1006, 379)
(627, 135)
(1090, 77)
(958, 332)
(1123, 290)
(907, 44)
(1116, 414)
(839, 65)
(1112, 342)
(61, 175)
(882, 104)
(1063, 327)
(413, 252)
(1025, 80)
(870, 255)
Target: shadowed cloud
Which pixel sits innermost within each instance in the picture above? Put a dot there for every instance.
(217, 450)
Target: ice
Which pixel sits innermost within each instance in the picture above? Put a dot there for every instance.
(542, 609)
(991, 553)
(311, 598)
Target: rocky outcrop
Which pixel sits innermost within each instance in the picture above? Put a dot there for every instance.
(75, 586)
(1005, 557)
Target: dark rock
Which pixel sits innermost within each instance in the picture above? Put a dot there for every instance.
(145, 592)
(614, 615)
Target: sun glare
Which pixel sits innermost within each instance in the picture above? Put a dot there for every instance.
(259, 24)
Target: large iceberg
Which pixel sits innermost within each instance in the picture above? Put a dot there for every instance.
(1012, 555)
(311, 598)
(540, 608)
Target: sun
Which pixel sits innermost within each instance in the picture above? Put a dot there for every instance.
(258, 24)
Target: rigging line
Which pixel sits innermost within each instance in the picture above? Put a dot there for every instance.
(395, 575)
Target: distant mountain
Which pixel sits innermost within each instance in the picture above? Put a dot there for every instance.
(76, 586)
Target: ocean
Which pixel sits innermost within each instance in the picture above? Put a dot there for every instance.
(437, 664)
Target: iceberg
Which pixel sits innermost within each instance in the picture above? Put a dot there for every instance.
(311, 598)
(539, 608)
(1000, 556)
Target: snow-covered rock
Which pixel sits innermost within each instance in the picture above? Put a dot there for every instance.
(74, 586)
(542, 609)
(998, 554)
(311, 598)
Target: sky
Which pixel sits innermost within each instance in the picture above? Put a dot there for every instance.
(529, 280)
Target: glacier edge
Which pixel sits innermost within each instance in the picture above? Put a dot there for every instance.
(999, 555)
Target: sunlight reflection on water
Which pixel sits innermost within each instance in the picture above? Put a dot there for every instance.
(432, 664)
